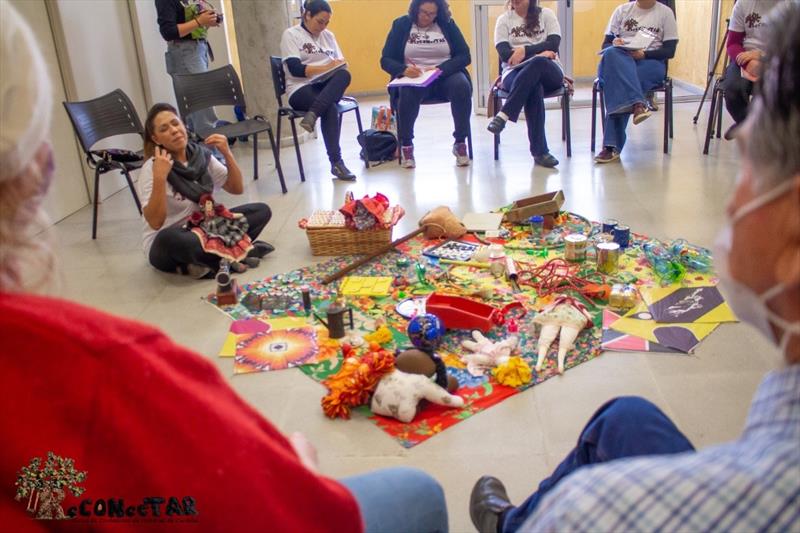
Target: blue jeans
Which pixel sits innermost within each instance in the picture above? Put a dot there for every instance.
(625, 82)
(399, 499)
(455, 88)
(527, 87)
(191, 57)
(624, 427)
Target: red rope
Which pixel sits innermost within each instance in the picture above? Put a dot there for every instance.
(555, 276)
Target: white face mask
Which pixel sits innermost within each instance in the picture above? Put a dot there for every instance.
(746, 304)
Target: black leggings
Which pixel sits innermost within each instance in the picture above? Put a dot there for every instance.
(737, 92)
(321, 98)
(174, 248)
(455, 89)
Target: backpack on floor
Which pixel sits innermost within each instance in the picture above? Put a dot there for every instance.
(377, 146)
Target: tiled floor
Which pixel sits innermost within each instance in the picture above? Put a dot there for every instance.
(521, 440)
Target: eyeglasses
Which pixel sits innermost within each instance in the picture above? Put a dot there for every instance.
(431, 14)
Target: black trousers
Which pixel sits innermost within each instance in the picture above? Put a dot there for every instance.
(321, 98)
(174, 248)
(527, 87)
(454, 88)
(737, 92)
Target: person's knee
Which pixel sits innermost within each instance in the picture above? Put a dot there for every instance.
(425, 487)
(630, 411)
(343, 76)
(458, 86)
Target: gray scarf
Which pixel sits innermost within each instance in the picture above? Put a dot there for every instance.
(193, 180)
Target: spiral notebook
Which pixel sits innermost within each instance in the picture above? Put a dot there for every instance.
(428, 77)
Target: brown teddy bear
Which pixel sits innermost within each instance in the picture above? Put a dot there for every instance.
(441, 222)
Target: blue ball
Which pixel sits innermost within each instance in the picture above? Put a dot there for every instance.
(425, 332)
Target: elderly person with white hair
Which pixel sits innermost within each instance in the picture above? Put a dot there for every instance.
(135, 430)
(632, 469)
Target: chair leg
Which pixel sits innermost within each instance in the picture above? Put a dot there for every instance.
(721, 98)
(671, 110)
(712, 115)
(397, 124)
(469, 142)
(297, 149)
(275, 156)
(95, 200)
(594, 117)
(357, 111)
(565, 125)
(667, 113)
(255, 156)
(133, 189)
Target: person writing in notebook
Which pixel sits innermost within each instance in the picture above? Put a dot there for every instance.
(528, 33)
(310, 50)
(428, 38)
(627, 75)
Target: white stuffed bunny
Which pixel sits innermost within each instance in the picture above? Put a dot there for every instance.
(486, 354)
(398, 394)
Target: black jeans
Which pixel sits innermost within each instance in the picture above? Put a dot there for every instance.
(737, 92)
(454, 88)
(527, 87)
(174, 248)
(321, 98)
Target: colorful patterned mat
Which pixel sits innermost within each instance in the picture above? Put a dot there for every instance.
(284, 299)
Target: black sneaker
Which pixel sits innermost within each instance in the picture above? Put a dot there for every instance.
(545, 160)
(260, 249)
(341, 172)
(496, 125)
(309, 121)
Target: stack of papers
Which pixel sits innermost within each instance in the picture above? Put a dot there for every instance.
(327, 74)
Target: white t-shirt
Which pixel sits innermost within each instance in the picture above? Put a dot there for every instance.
(629, 18)
(313, 51)
(428, 47)
(748, 17)
(510, 28)
(178, 207)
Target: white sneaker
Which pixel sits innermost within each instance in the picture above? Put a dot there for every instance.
(407, 157)
(462, 157)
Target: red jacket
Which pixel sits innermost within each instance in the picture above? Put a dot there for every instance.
(146, 420)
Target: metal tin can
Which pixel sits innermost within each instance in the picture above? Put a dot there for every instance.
(623, 297)
(575, 247)
(609, 225)
(622, 235)
(607, 257)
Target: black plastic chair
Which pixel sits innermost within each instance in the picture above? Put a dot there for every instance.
(222, 87)
(665, 87)
(98, 119)
(498, 95)
(715, 113)
(394, 103)
(347, 103)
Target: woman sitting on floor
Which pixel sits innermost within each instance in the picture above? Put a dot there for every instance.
(310, 50)
(628, 75)
(136, 418)
(175, 186)
(425, 39)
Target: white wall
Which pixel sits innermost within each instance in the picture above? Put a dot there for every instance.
(68, 192)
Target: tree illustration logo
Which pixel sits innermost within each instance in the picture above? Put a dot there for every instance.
(631, 24)
(752, 20)
(46, 485)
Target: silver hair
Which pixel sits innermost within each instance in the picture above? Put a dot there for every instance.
(773, 144)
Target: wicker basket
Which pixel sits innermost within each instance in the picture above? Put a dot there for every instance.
(328, 235)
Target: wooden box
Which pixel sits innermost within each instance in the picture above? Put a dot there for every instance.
(543, 204)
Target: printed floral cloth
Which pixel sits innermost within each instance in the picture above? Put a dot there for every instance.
(479, 392)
